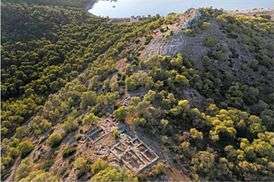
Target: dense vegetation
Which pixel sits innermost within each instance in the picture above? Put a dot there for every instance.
(60, 76)
(48, 47)
(248, 84)
(219, 144)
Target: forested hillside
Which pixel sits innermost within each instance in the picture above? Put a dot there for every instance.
(196, 88)
(44, 47)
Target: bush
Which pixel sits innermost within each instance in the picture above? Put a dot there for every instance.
(140, 121)
(120, 113)
(23, 169)
(68, 151)
(81, 165)
(203, 163)
(88, 99)
(113, 174)
(210, 41)
(98, 165)
(47, 164)
(25, 148)
(196, 134)
(22, 131)
(40, 175)
(148, 39)
(115, 133)
(39, 125)
(70, 125)
(183, 104)
(55, 139)
(182, 80)
(158, 169)
(90, 118)
(205, 25)
(139, 79)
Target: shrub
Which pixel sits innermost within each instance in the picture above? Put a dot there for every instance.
(164, 122)
(88, 99)
(183, 104)
(210, 41)
(120, 113)
(39, 125)
(25, 147)
(158, 169)
(55, 139)
(23, 169)
(205, 25)
(47, 164)
(80, 163)
(70, 125)
(139, 79)
(22, 132)
(115, 133)
(140, 121)
(182, 80)
(219, 55)
(203, 163)
(189, 32)
(90, 119)
(40, 175)
(68, 151)
(113, 174)
(148, 39)
(196, 134)
(98, 165)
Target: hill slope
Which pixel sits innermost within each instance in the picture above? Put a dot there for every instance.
(195, 89)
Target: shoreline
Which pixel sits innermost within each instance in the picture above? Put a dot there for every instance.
(89, 5)
(135, 18)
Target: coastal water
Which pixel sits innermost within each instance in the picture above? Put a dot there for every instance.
(127, 8)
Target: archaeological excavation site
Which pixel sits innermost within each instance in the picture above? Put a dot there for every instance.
(130, 151)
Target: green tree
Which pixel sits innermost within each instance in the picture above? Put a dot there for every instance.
(88, 99)
(183, 104)
(182, 80)
(120, 113)
(203, 163)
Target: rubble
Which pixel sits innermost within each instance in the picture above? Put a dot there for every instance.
(133, 153)
(130, 152)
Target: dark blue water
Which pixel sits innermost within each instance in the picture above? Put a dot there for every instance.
(127, 8)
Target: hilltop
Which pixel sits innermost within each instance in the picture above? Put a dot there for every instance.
(184, 97)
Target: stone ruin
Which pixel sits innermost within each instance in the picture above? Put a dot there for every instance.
(133, 153)
(104, 128)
